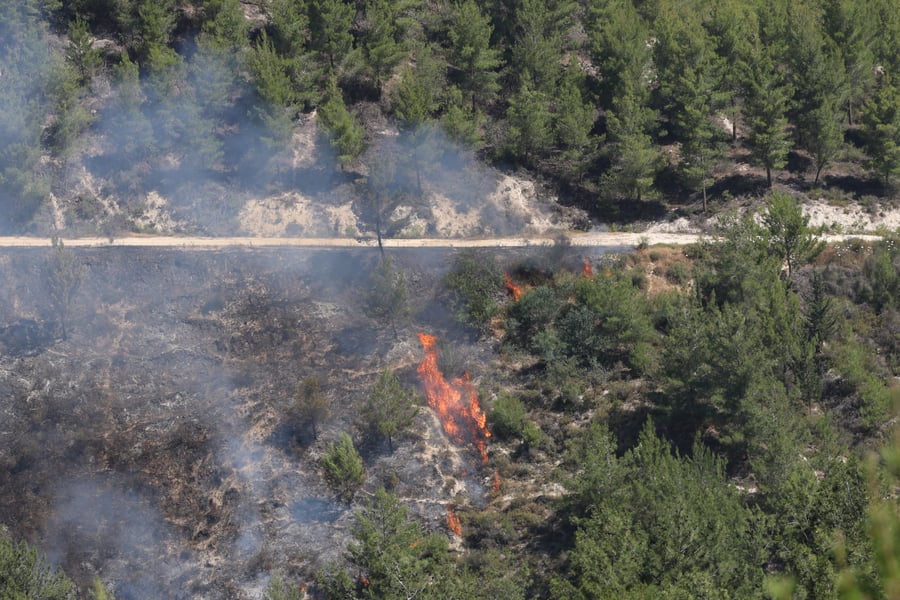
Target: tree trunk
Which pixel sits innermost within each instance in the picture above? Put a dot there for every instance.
(704, 198)
(769, 176)
(818, 172)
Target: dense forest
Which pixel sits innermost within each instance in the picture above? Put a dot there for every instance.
(732, 435)
(612, 103)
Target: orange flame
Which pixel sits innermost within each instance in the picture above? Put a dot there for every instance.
(456, 403)
(514, 290)
(453, 522)
(496, 486)
(587, 271)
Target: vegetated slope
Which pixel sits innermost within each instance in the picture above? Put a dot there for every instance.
(325, 117)
(158, 446)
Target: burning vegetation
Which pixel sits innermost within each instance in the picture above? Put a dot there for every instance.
(514, 291)
(456, 402)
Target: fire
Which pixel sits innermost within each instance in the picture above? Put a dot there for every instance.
(587, 271)
(453, 522)
(496, 485)
(514, 290)
(456, 402)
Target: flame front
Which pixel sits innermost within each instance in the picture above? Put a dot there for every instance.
(514, 290)
(456, 402)
(453, 522)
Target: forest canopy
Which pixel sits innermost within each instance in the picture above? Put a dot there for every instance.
(611, 102)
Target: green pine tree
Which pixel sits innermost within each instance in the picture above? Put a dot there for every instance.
(329, 26)
(381, 47)
(344, 133)
(343, 468)
(474, 62)
(881, 122)
(635, 159)
(530, 123)
(390, 408)
(767, 101)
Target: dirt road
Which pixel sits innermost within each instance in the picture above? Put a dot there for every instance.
(593, 240)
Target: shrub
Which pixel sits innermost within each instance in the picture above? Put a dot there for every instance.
(507, 417)
(678, 273)
(475, 281)
(532, 436)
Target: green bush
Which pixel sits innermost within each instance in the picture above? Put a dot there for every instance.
(532, 436)
(507, 416)
(475, 281)
(678, 273)
(25, 574)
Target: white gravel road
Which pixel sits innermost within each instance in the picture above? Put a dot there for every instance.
(593, 240)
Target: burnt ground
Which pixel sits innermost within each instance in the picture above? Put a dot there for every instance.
(154, 446)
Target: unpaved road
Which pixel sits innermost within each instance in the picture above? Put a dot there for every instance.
(593, 240)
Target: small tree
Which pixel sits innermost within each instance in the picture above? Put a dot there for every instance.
(80, 53)
(311, 404)
(789, 233)
(345, 134)
(387, 300)
(99, 592)
(64, 275)
(25, 574)
(391, 407)
(344, 470)
(279, 589)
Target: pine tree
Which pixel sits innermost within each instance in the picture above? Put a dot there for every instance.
(573, 123)
(64, 274)
(852, 28)
(824, 137)
(344, 133)
(530, 132)
(387, 300)
(26, 574)
(473, 60)
(619, 47)
(311, 403)
(417, 96)
(881, 120)
(790, 236)
(380, 46)
(397, 556)
(635, 160)
(767, 101)
(390, 408)
(80, 51)
(329, 25)
(461, 122)
(344, 469)
(702, 146)
(538, 43)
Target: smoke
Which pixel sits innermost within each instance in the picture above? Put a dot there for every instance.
(109, 520)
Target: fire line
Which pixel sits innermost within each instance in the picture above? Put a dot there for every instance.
(456, 402)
